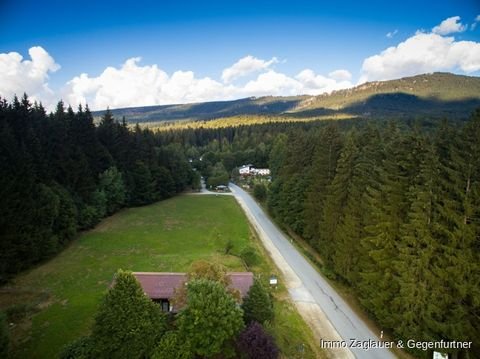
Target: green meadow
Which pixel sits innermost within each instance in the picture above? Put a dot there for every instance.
(57, 300)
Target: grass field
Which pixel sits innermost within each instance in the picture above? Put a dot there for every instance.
(61, 296)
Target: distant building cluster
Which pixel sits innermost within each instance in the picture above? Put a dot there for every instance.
(249, 170)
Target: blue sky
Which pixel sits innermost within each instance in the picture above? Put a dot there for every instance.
(294, 47)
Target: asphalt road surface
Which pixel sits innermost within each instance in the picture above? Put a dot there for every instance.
(313, 286)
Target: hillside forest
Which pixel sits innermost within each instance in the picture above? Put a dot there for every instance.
(392, 207)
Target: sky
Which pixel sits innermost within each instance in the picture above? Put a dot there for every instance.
(138, 53)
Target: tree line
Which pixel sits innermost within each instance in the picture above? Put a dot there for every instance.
(393, 209)
(61, 173)
(395, 214)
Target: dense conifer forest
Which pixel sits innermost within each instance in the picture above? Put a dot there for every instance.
(393, 209)
(60, 174)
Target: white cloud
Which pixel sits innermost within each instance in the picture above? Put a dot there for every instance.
(314, 84)
(135, 85)
(449, 26)
(340, 75)
(18, 75)
(392, 33)
(422, 53)
(246, 66)
(475, 22)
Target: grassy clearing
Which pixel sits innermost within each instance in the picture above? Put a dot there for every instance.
(60, 297)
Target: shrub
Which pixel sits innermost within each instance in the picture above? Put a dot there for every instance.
(171, 346)
(78, 349)
(260, 191)
(255, 343)
(249, 256)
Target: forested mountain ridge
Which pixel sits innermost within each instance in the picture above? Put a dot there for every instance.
(435, 95)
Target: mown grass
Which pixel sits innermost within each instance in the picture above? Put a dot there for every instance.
(166, 236)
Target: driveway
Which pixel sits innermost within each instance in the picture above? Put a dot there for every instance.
(329, 316)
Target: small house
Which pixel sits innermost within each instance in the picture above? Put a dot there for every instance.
(161, 287)
(245, 170)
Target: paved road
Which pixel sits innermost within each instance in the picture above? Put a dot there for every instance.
(346, 323)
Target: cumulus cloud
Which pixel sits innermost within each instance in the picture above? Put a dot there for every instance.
(475, 22)
(18, 75)
(314, 84)
(133, 84)
(340, 75)
(449, 26)
(422, 53)
(391, 33)
(136, 85)
(246, 66)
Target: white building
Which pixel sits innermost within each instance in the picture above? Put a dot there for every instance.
(245, 170)
(249, 170)
(261, 171)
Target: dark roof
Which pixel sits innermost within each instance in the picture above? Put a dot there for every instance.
(158, 285)
(241, 281)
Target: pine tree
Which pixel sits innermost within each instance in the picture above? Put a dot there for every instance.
(336, 200)
(419, 297)
(127, 324)
(387, 207)
(257, 305)
(325, 158)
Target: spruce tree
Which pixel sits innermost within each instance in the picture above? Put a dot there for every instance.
(257, 305)
(127, 324)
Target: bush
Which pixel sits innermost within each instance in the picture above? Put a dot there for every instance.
(78, 349)
(260, 191)
(228, 246)
(249, 256)
(255, 343)
(171, 346)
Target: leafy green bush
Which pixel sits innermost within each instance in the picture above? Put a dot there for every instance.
(78, 349)
(260, 191)
(171, 346)
(249, 255)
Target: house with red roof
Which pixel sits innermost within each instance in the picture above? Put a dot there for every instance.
(162, 286)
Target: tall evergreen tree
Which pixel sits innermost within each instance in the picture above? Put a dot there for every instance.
(127, 324)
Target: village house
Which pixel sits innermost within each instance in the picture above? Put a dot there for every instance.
(261, 171)
(245, 170)
(161, 287)
(249, 170)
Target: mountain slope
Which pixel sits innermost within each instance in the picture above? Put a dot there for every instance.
(434, 95)
(429, 94)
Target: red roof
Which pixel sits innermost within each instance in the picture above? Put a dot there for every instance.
(161, 285)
